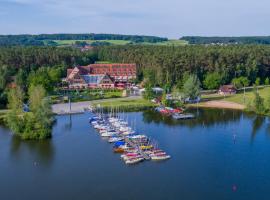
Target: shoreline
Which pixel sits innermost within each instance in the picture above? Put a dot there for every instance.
(81, 107)
(219, 104)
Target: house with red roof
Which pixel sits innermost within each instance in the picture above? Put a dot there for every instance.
(101, 76)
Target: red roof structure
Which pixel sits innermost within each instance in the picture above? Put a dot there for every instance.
(121, 74)
(227, 89)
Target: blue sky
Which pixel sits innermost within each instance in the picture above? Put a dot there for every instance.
(169, 18)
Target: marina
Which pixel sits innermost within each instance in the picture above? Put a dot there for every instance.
(134, 147)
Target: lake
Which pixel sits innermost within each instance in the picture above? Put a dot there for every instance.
(222, 154)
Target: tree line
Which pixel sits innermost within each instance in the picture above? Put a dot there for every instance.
(48, 39)
(227, 40)
(168, 65)
(165, 66)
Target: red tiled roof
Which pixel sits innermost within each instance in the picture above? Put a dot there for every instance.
(69, 71)
(227, 88)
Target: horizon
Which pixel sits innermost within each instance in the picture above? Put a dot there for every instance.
(210, 36)
(171, 19)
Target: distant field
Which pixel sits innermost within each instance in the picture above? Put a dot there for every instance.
(122, 42)
(171, 42)
(71, 42)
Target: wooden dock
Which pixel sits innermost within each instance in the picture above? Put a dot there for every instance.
(143, 154)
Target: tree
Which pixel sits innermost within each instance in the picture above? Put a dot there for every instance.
(258, 103)
(15, 99)
(266, 82)
(192, 87)
(41, 77)
(33, 125)
(149, 77)
(212, 81)
(164, 99)
(21, 78)
(258, 81)
(36, 96)
(148, 93)
(241, 82)
(268, 103)
(15, 113)
(4, 73)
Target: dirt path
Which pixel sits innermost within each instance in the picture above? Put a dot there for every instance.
(220, 104)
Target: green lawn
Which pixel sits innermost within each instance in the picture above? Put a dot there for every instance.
(125, 104)
(239, 97)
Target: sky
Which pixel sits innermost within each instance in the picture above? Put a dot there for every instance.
(166, 18)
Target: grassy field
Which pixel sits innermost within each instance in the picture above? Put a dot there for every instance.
(239, 97)
(125, 104)
(71, 42)
(170, 43)
(122, 42)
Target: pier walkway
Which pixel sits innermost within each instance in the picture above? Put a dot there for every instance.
(143, 154)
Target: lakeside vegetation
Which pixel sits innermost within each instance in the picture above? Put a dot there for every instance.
(32, 124)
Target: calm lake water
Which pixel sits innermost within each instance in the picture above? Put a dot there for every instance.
(220, 155)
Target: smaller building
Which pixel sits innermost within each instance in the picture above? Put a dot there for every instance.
(227, 90)
(93, 81)
(98, 81)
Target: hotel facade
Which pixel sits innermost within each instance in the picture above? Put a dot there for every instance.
(113, 75)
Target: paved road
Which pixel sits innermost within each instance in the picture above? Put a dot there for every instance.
(80, 107)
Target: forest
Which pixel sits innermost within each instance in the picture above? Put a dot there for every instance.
(37, 66)
(227, 40)
(48, 39)
(168, 65)
(160, 65)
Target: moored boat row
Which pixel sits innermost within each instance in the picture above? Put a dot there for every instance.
(134, 147)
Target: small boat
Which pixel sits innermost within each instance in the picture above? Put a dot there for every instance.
(134, 161)
(143, 147)
(129, 154)
(115, 139)
(118, 150)
(108, 134)
(158, 154)
(131, 157)
(160, 157)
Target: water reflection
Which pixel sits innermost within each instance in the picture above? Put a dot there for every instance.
(212, 117)
(256, 125)
(204, 117)
(42, 152)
